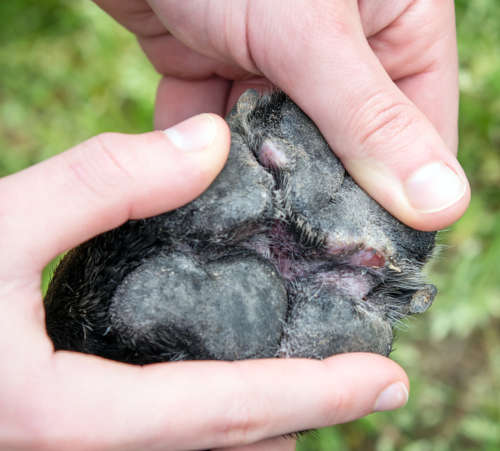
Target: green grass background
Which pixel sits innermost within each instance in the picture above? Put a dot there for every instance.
(68, 72)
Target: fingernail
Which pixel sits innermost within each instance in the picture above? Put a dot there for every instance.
(434, 187)
(393, 397)
(193, 134)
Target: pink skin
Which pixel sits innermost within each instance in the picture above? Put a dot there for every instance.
(369, 258)
(281, 246)
(70, 401)
(271, 156)
(346, 281)
(356, 254)
(379, 78)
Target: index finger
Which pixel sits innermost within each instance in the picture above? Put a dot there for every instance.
(200, 405)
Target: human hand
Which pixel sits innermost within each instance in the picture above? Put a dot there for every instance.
(378, 78)
(63, 400)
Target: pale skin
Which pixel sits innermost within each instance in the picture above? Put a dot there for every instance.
(63, 400)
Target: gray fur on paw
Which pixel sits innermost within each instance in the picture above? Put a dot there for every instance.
(284, 255)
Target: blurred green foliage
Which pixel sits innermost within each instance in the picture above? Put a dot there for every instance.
(69, 72)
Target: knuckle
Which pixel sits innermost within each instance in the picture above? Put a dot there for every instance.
(338, 404)
(336, 407)
(238, 44)
(244, 419)
(382, 119)
(98, 166)
(239, 424)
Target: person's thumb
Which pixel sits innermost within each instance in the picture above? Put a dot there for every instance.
(103, 182)
(385, 142)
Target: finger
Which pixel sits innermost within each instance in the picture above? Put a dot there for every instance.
(216, 30)
(203, 405)
(172, 57)
(422, 89)
(135, 15)
(385, 142)
(273, 444)
(377, 15)
(178, 99)
(103, 182)
(426, 70)
(168, 55)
